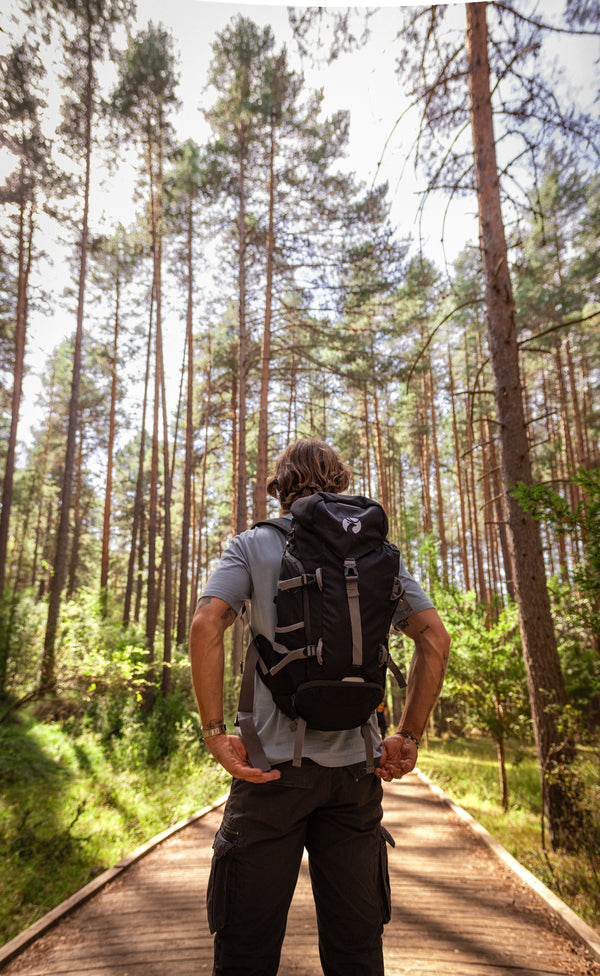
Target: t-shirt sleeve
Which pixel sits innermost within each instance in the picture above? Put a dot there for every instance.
(415, 599)
(231, 580)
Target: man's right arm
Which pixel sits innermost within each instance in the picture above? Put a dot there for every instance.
(207, 655)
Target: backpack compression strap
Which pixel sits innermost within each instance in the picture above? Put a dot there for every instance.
(245, 719)
(351, 578)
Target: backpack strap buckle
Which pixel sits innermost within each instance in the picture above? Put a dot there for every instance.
(397, 589)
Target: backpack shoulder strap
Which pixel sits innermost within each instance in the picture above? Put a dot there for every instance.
(283, 524)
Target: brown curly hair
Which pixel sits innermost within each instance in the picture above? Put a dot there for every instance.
(307, 466)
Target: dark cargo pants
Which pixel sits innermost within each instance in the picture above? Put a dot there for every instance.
(336, 814)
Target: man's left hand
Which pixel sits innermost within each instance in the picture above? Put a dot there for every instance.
(398, 758)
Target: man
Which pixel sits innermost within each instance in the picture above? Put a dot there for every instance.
(330, 805)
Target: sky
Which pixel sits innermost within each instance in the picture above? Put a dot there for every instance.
(364, 82)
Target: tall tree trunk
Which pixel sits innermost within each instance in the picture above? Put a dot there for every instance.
(161, 389)
(262, 456)
(110, 453)
(424, 458)
(476, 546)
(77, 519)
(500, 507)
(138, 502)
(381, 472)
(581, 452)
(459, 483)
(39, 541)
(201, 510)
(545, 680)
(367, 450)
(438, 481)
(241, 475)
(182, 609)
(24, 264)
(152, 585)
(241, 505)
(48, 674)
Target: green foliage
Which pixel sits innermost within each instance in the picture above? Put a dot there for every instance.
(582, 521)
(21, 637)
(579, 658)
(486, 674)
(70, 807)
(147, 83)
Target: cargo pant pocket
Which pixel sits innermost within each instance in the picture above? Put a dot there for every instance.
(386, 892)
(220, 881)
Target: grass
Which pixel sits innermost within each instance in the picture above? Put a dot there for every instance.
(70, 809)
(467, 770)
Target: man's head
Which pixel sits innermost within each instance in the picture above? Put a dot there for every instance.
(307, 466)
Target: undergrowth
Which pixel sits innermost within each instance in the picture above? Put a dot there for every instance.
(74, 801)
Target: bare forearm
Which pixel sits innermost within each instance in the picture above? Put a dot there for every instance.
(427, 671)
(207, 657)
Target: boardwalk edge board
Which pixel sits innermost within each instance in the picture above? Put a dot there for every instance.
(576, 926)
(25, 938)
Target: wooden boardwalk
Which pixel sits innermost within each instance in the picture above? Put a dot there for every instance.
(457, 910)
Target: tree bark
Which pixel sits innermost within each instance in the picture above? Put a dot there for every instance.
(545, 680)
(438, 482)
(24, 264)
(262, 457)
(48, 675)
(202, 507)
(182, 609)
(110, 453)
(241, 505)
(459, 483)
(138, 502)
(77, 520)
(381, 472)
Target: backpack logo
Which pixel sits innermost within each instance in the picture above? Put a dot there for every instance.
(352, 525)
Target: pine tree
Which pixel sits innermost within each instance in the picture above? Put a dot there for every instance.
(92, 23)
(21, 102)
(143, 98)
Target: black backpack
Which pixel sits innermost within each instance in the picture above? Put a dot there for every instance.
(339, 586)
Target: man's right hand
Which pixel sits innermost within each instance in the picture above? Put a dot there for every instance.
(230, 752)
(207, 654)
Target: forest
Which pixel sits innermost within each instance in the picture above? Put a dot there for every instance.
(465, 396)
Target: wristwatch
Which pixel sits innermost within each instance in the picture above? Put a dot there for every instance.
(215, 730)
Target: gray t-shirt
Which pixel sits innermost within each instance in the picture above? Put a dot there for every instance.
(248, 572)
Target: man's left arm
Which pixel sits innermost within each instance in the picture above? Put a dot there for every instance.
(425, 680)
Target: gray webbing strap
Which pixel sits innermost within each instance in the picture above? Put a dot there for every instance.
(366, 734)
(290, 628)
(245, 721)
(351, 576)
(291, 656)
(296, 581)
(299, 741)
(311, 650)
(396, 671)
